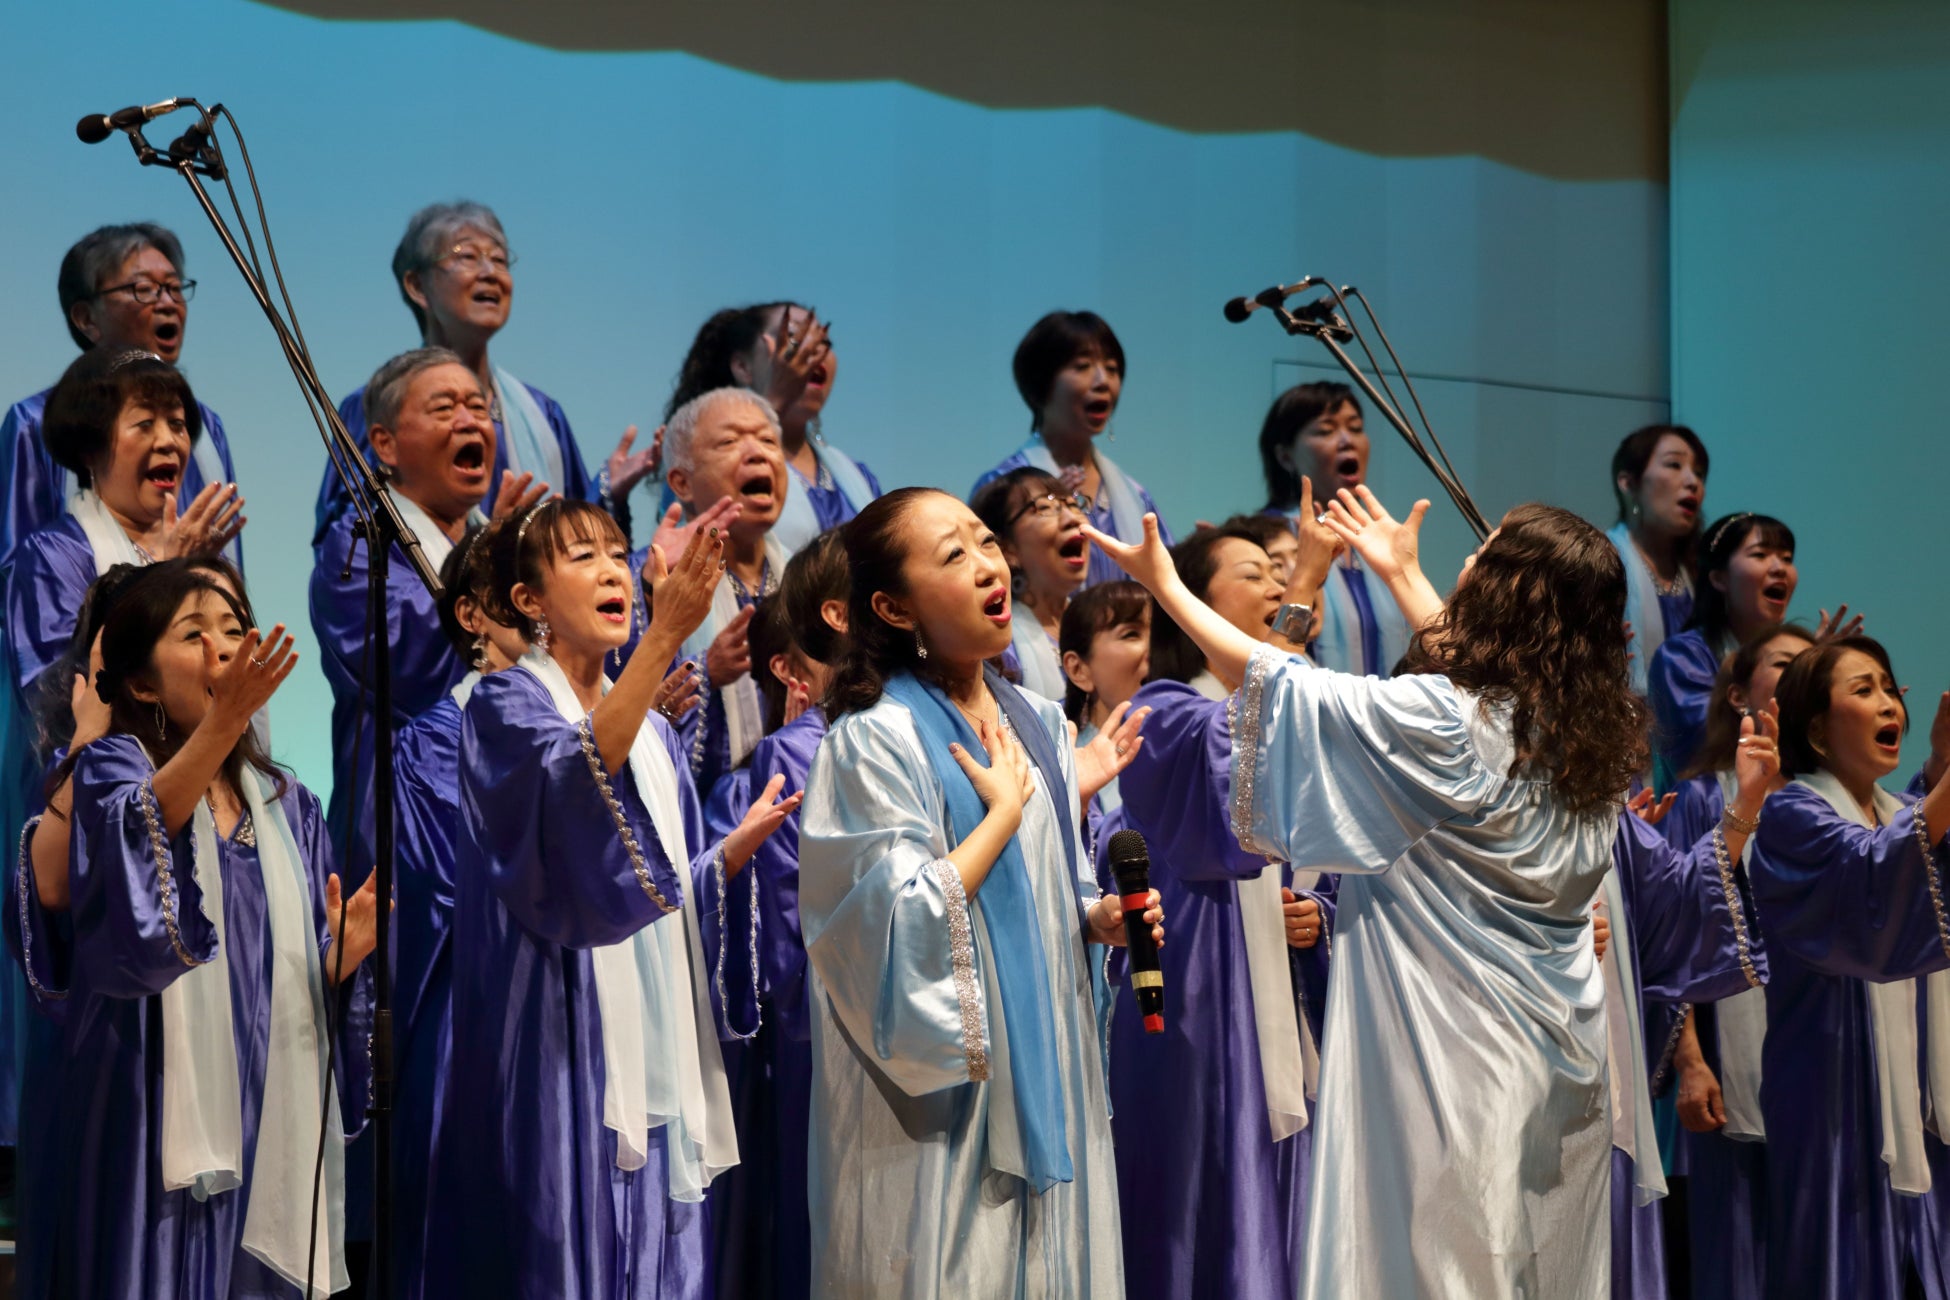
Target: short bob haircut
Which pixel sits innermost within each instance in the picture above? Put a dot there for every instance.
(1175, 657)
(100, 254)
(430, 232)
(525, 546)
(1803, 695)
(79, 426)
(1053, 343)
(817, 574)
(1722, 541)
(1002, 496)
(1093, 610)
(1292, 411)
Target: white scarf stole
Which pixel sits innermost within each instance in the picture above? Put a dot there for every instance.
(433, 539)
(744, 710)
(202, 1124)
(1042, 670)
(1649, 629)
(463, 690)
(1338, 642)
(530, 443)
(1289, 1061)
(661, 1063)
(106, 538)
(1742, 1023)
(1631, 1109)
(798, 522)
(1120, 493)
(1892, 1022)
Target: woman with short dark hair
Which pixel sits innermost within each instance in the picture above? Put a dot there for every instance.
(1040, 528)
(1659, 477)
(1850, 881)
(960, 1138)
(1069, 369)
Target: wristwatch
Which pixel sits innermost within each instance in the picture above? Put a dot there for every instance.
(1295, 623)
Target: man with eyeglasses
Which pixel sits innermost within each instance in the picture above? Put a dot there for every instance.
(120, 287)
(455, 274)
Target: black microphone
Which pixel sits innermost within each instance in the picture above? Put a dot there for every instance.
(1240, 308)
(1130, 863)
(97, 127)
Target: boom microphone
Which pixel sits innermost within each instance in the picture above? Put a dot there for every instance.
(1130, 863)
(97, 127)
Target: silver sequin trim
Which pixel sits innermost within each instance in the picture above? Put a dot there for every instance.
(724, 1004)
(1659, 1071)
(1724, 860)
(1922, 829)
(1242, 714)
(23, 873)
(628, 836)
(961, 948)
(165, 881)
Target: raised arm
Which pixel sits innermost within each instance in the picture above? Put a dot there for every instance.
(1390, 548)
(683, 598)
(1226, 648)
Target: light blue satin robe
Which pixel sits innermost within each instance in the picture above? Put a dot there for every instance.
(903, 1202)
(1463, 1140)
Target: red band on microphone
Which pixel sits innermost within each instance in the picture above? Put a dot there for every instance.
(1136, 902)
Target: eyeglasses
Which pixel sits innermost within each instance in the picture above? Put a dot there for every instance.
(1052, 505)
(472, 261)
(148, 291)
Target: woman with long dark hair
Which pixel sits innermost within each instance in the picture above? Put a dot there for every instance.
(783, 352)
(1658, 475)
(1212, 1116)
(1315, 432)
(1850, 880)
(1069, 370)
(203, 944)
(1471, 805)
(960, 1138)
(577, 1164)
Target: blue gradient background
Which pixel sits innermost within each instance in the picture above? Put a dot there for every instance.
(642, 191)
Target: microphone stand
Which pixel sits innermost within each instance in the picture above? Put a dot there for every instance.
(194, 155)
(1326, 331)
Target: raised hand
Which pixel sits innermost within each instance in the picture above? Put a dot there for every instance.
(1757, 760)
(1003, 786)
(1320, 545)
(677, 693)
(798, 698)
(1938, 762)
(1827, 629)
(787, 356)
(1107, 920)
(1302, 917)
(240, 688)
(212, 522)
(730, 654)
(516, 493)
(684, 592)
(1149, 562)
(1391, 548)
(354, 938)
(1111, 750)
(628, 468)
(674, 535)
(1649, 811)
(92, 718)
(767, 813)
(1072, 477)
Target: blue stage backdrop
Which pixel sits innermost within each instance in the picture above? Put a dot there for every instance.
(642, 190)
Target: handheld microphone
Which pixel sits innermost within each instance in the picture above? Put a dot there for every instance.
(1130, 863)
(97, 127)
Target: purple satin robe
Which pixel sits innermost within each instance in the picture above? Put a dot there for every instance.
(1680, 687)
(333, 502)
(761, 1232)
(97, 1221)
(425, 668)
(1842, 904)
(1211, 1204)
(526, 1198)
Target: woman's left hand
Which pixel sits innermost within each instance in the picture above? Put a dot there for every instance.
(1149, 562)
(1649, 811)
(1757, 760)
(214, 518)
(767, 813)
(628, 468)
(353, 939)
(1110, 751)
(1320, 546)
(1107, 920)
(677, 693)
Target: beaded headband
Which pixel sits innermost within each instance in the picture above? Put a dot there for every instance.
(528, 517)
(123, 360)
(1719, 530)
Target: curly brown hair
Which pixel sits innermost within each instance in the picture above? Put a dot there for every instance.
(1537, 624)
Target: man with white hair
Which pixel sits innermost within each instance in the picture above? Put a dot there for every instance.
(724, 464)
(456, 275)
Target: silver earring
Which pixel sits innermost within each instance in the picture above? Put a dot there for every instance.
(920, 646)
(1110, 435)
(162, 728)
(480, 655)
(541, 633)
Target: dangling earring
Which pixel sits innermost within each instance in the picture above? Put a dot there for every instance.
(480, 655)
(1110, 435)
(162, 729)
(920, 646)
(541, 634)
